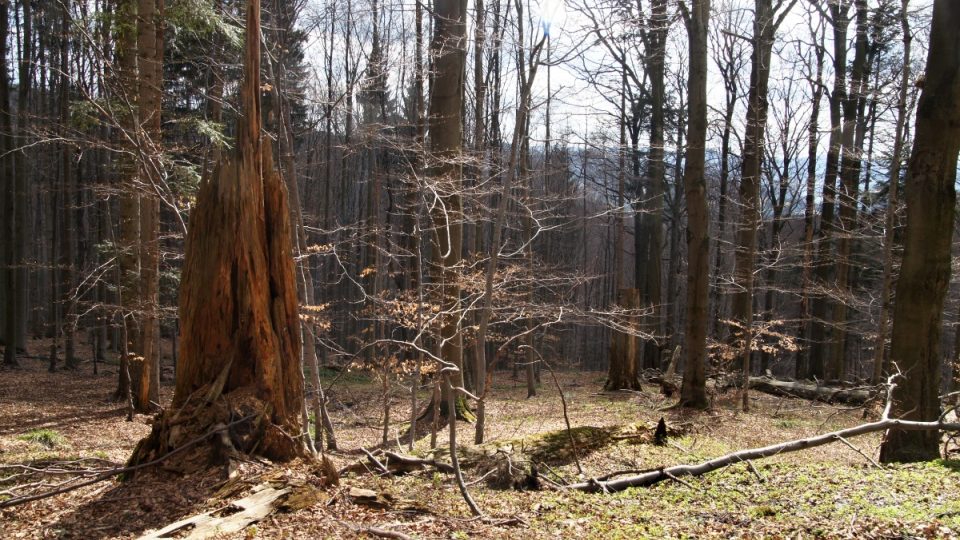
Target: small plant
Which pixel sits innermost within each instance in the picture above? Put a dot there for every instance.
(46, 437)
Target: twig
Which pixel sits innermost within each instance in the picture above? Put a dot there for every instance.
(566, 417)
(383, 469)
(678, 480)
(755, 472)
(384, 533)
(861, 452)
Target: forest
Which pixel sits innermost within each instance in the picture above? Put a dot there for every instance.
(479, 269)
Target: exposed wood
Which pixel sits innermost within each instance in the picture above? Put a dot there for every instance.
(813, 391)
(252, 508)
(238, 299)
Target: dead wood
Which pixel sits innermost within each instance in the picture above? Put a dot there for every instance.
(656, 476)
(814, 391)
(239, 514)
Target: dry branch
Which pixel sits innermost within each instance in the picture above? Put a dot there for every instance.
(656, 476)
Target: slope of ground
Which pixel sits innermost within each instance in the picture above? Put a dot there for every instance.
(66, 419)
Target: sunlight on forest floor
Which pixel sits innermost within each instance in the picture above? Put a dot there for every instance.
(830, 491)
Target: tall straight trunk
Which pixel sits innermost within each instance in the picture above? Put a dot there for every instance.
(129, 201)
(823, 266)
(527, 180)
(448, 47)
(649, 255)
(764, 30)
(673, 268)
(893, 183)
(9, 201)
(619, 231)
(69, 196)
(622, 373)
(802, 369)
(18, 286)
(149, 93)
(930, 196)
(852, 146)
(693, 392)
(479, 145)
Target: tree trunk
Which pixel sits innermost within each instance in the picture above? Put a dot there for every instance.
(849, 188)
(623, 345)
(693, 392)
(9, 201)
(446, 126)
(802, 369)
(925, 273)
(764, 30)
(149, 93)
(823, 266)
(238, 300)
(892, 203)
(129, 202)
(649, 246)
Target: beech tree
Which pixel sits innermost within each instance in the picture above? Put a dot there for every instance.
(930, 197)
(448, 49)
(693, 392)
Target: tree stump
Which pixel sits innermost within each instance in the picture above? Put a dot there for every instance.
(240, 334)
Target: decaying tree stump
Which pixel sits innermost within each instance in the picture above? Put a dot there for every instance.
(240, 345)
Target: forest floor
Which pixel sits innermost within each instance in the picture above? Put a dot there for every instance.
(827, 492)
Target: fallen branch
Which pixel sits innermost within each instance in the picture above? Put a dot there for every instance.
(671, 473)
(399, 463)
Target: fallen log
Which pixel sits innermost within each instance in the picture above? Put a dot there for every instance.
(813, 391)
(651, 477)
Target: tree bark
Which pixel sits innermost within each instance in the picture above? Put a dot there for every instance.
(149, 93)
(693, 392)
(851, 148)
(9, 201)
(925, 272)
(820, 306)
(238, 301)
(448, 47)
(764, 29)
(892, 202)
